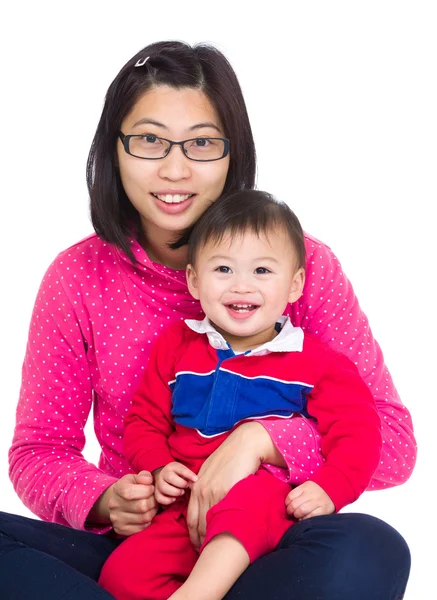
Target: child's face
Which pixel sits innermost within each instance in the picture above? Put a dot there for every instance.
(244, 285)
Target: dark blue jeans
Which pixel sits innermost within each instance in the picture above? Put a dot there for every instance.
(335, 557)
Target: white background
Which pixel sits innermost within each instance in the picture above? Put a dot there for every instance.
(343, 102)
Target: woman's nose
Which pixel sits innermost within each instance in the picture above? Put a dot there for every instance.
(175, 166)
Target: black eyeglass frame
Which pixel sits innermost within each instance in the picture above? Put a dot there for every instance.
(125, 141)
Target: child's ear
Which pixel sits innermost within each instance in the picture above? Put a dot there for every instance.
(192, 282)
(297, 286)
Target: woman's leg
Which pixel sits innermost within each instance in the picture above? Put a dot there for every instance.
(45, 561)
(336, 557)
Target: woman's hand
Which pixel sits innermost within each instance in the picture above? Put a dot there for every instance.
(240, 455)
(129, 504)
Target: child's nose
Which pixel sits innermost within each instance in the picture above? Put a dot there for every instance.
(242, 285)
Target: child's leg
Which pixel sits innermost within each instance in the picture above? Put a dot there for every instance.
(219, 566)
(246, 524)
(151, 564)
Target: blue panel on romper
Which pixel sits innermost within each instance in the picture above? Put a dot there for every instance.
(214, 403)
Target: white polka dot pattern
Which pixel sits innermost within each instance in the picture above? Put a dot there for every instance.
(95, 319)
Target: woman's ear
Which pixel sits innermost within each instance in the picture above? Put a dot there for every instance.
(297, 285)
(192, 282)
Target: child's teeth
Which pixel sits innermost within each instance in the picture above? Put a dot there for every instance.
(242, 307)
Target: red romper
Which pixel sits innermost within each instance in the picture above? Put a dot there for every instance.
(193, 393)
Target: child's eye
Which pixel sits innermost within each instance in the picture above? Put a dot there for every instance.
(223, 269)
(262, 270)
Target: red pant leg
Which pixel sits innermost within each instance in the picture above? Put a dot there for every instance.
(154, 563)
(254, 512)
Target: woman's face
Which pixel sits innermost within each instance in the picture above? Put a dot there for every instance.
(170, 194)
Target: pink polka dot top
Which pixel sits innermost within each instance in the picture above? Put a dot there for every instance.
(95, 319)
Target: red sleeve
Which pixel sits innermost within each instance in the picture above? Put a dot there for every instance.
(351, 431)
(329, 310)
(148, 424)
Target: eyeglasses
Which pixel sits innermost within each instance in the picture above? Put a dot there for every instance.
(152, 147)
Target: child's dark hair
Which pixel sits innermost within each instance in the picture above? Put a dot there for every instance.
(246, 210)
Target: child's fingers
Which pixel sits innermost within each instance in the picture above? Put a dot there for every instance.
(316, 512)
(176, 480)
(293, 495)
(167, 489)
(184, 472)
(294, 499)
(304, 509)
(163, 499)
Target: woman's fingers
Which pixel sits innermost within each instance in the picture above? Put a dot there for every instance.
(193, 520)
(128, 488)
(234, 460)
(201, 527)
(144, 478)
(132, 504)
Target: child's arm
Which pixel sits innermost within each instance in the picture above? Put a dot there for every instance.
(148, 424)
(351, 440)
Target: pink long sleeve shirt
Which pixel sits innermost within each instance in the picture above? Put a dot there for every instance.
(95, 319)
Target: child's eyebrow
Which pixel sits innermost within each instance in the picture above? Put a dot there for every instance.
(220, 257)
(255, 260)
(264, 258)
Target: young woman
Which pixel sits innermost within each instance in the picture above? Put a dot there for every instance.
(174, 134)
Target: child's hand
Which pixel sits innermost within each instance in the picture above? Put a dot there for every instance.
(171, 482)
(308, 500)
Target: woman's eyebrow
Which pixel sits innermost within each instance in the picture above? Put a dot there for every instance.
(146, 121)
(206, 124)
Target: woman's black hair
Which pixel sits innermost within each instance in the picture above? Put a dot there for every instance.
(178, 65)
(246, 210)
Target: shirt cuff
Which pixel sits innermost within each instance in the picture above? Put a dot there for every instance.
(298, 441)
(80, 511)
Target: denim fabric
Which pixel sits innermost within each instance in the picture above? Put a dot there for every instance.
(336, 557)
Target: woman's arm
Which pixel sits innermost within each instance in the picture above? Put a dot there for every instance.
(47, 467)
(240, 455)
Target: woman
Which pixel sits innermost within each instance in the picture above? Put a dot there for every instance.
(174, 134)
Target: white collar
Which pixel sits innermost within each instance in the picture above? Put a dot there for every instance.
(289, 339)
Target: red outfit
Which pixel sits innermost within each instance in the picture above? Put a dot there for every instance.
(154, 563)
(191, 397)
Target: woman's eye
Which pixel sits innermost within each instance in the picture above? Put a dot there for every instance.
(201, 142)
(223, 269)
(150, 138)
(261, 271)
